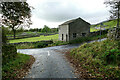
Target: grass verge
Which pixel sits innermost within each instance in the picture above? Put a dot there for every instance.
(17, 67)
(40, 45)
(97, 59)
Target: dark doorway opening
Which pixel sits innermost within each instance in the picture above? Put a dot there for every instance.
(83, 34)
(66, 37)
(62, 36)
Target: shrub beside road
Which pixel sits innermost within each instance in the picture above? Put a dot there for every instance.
(14, 65)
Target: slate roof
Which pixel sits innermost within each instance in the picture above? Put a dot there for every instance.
(70, 21)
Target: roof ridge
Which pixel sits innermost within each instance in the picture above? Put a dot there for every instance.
(72, 20)
(68, 21)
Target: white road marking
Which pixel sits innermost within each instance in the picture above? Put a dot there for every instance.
(48, 53)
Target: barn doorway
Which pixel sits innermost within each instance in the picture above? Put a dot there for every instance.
(66, 37)
(62, 37)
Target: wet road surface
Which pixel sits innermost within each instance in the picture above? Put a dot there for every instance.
(49, 63)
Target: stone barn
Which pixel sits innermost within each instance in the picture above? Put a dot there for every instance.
(73, 29)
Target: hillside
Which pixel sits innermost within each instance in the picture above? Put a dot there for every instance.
(106, 25)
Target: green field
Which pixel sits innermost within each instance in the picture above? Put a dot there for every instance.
(34, 39)
(109, 24)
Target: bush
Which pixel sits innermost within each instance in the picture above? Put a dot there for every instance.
(41, 44)
(8, 52)
(118, 58)
(112, 56)
(4, 38)
(119, 44)
(86, 38)
(57, 43)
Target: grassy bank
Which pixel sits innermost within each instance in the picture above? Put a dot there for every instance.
(34, 39)
(99, 59)
(17, 66)
(33, 45)
(108, 24)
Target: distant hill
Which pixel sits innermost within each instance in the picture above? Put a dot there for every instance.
(106, 25)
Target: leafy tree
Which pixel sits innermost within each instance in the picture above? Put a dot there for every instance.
(46, 29)
(15, 13)
(54, 30)
(20, 29)
(39, 30)
(34, 29)
(115, 9)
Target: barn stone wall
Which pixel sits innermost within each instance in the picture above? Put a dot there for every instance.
(79, 27)
(63, 29)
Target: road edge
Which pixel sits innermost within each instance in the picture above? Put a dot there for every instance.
(25, 69)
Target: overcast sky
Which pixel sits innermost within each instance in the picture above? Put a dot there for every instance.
(54, 12)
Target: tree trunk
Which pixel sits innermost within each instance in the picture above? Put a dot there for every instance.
(14, 32)
(118, 27)
(118, 15)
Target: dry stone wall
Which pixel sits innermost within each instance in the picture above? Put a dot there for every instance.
(114, 34)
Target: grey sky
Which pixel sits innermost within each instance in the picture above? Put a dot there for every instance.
(55, 12)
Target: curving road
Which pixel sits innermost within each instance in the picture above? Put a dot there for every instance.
(49, 63)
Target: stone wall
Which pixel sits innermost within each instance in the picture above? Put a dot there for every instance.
(29, 35)
(114, 34)
(98, 32)
(63, 29)
(79, 27)
(49, 42)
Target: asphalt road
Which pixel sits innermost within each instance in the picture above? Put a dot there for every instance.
(49, 63)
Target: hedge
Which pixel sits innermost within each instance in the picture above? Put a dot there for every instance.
(8, 52)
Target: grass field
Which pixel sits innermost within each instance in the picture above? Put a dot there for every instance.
(33, 39)
(109, 24)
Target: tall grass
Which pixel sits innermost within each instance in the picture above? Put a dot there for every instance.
(11, 69)
(101, 59)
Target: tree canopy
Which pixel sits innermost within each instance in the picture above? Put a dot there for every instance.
(46, 29)
(15, 13)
